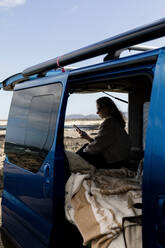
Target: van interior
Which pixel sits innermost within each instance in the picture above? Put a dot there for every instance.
(138, 86)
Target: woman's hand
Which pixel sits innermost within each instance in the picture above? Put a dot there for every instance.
(84, 135)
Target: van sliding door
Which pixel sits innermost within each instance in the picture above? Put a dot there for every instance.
(33, 170)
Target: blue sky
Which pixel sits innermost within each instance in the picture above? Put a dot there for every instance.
(33, 31)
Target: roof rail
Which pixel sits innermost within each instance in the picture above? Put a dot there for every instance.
(135, 36)
(142, 48)
(116, 54)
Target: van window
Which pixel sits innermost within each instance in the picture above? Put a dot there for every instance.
(38, 122)
(31, 125)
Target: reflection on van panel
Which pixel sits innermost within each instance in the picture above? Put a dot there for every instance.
(31, 126)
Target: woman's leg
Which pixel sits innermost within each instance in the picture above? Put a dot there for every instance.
(96, 160)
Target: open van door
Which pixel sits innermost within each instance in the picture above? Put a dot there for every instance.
(154, 163)
(34, 165)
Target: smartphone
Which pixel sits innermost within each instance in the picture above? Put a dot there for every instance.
(77, 128)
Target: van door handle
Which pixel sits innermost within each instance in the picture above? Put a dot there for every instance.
(160, 227)
(46, 185)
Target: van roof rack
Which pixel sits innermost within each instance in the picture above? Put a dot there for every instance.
(127, 39)
(116, 54)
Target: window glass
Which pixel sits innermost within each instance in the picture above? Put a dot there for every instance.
(31, 125)
(38, 121)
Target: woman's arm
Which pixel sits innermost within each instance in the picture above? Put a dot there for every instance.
(84, 135)
(104, 139)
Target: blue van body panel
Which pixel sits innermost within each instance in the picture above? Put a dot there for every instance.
(154, 162)
(29, 199)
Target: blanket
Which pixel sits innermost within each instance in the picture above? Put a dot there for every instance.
(97, 200)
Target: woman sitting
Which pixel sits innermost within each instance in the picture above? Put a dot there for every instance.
(111, 147)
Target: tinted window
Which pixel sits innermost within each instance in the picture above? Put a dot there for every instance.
(31, 125)
(38, 122)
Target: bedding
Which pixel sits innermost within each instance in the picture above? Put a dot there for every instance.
(97, 200)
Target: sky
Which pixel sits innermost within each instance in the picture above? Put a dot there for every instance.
(33, 31)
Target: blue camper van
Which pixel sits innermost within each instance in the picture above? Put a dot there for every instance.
(36, 168)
